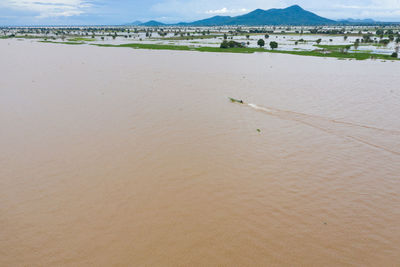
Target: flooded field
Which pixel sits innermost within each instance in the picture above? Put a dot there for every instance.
(116, 157)
(380, 40)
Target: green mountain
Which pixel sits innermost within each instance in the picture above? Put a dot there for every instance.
(293, 15)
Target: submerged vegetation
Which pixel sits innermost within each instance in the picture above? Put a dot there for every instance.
(327, 52)
(343, 42)
(81, 39)
(68, 43)
(231, 44)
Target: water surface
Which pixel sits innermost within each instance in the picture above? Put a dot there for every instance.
(116, 156)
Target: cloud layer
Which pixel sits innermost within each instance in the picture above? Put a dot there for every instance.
(225, 10)
(50, 8)
(19, 12)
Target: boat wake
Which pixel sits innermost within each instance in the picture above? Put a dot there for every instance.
(378, 138)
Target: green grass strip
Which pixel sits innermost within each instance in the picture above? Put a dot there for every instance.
(246, 50)
(333, 47)
(81, 39)
(67, 43)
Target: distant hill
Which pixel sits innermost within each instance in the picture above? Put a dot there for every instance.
(152, 23)
(361, 20)
(214, 21)
(293, 15)
(135, 23)
(357, 21)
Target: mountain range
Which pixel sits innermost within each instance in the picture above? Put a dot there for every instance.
(293, 15)
(360, 21)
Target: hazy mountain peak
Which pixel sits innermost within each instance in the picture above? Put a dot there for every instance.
(295, 7)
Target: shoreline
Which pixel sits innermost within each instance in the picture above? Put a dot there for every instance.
(325, 52)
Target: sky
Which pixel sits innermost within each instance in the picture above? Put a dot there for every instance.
(116, 12)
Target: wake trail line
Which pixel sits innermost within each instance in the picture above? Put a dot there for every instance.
(304, 119)
(269, 109)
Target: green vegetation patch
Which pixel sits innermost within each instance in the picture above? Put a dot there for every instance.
(336, 54)
(317, 53)
(67, 43)
(333, 47)
(150, 46)
(187, 48)
(192, 37)
(20, 37)
(81, 39)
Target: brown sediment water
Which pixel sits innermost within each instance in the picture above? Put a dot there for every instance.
(125, 157)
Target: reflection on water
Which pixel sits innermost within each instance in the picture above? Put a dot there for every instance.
(133, 157)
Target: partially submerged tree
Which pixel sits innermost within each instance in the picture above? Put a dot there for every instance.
(357, 43)
(385, 42)
(261, 43)
(379, 32)
(231, 44)
(273, 45)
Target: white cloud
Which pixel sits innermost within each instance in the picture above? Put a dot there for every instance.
(383, 10)
(51, 8)
(227, 11)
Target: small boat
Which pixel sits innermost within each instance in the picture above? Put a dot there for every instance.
(233, 100)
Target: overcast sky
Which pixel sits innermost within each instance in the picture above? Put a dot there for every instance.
(70, 12)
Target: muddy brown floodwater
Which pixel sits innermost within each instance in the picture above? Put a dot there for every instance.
(122, 157)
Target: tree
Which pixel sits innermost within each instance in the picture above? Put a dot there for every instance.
(345, 37)
(224, 44)
(318, 41)
(247, 36)
(367, 38)
(385, 42)
(261, 43)
(266, 36)
(273, 45)
(225, 36)
(357, 43)
(230, 44)
(395, 55)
